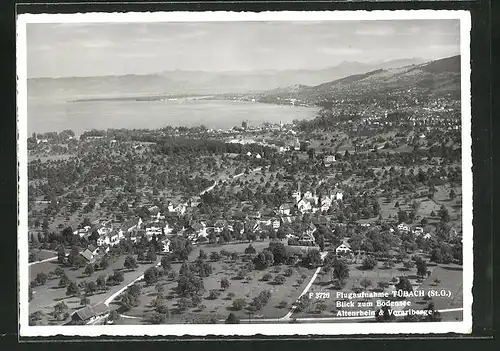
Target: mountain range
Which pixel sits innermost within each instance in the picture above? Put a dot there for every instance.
(437, 78)
(198, 82)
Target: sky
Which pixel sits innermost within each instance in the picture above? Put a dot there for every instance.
(86, 49)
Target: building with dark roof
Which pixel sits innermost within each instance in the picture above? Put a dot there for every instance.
(89, 313)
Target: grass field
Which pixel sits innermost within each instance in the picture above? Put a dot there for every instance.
(46, 296)
(220, 307)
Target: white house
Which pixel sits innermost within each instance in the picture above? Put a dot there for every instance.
(165, 246)
(153, 230)
(343, 249)
(403, 227)
(339, 196)
(113, 238)
(276, 223)
(284, 209)
(304, 206)
(418, 231)
(103, 240)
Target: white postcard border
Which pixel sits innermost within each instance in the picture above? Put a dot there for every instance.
(290, 329)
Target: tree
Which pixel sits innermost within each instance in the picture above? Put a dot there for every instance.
(304, 303)
(453, 195)
(113, 316)
(61, 254)
(321, 307)
(369, 263)
(436, 256)
(224, 283)
(101, 282)
(166, 263)
(59, 309)
(382, 285)
(189, 285)
(90, 288)
(279, 279)
(280, 255)
(202, 255)
(89, 270)
(41, 278)
(404, 284)
(214, 256)
(72, 289)
(59, 272)
(84, 301)
(159, 289)
(232, 319)
(64, 281)
(212, 238)
(312, 258)
(213, 294)
(421, 268)
(130, 263)
(365, 283)
(263, 260)
(340, 271)
(250, 250)
(151, 275)
(239, 304)
(151, 255)
(444, 215)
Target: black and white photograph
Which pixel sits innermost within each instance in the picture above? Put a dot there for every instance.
(274, 173)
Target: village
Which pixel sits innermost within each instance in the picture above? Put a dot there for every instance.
(311, 218)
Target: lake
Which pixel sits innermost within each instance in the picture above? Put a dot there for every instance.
(54, 116)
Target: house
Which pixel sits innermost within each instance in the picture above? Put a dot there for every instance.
(285, 209)
(403, 227)
(88, 255)
(276, 223)
(103, 240)
(89, 314)
(129, 226)
(304, 206)
(153, 230)
(165, 246)
(113, 238)
(179, 209)
(196, 229)
(82, 231)
(427, 236)
(154, 211)
(339, 196)
(418, 231)
(343, 249)
(103, 230)
(328, 160)
(307, 238)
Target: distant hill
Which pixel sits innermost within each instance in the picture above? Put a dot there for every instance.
(197, 82)
(434, 78)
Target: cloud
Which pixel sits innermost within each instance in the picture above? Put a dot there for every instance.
(94, 44)
(339, 51)
(379, 32)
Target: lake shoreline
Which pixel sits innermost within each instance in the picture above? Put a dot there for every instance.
(52, 116)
